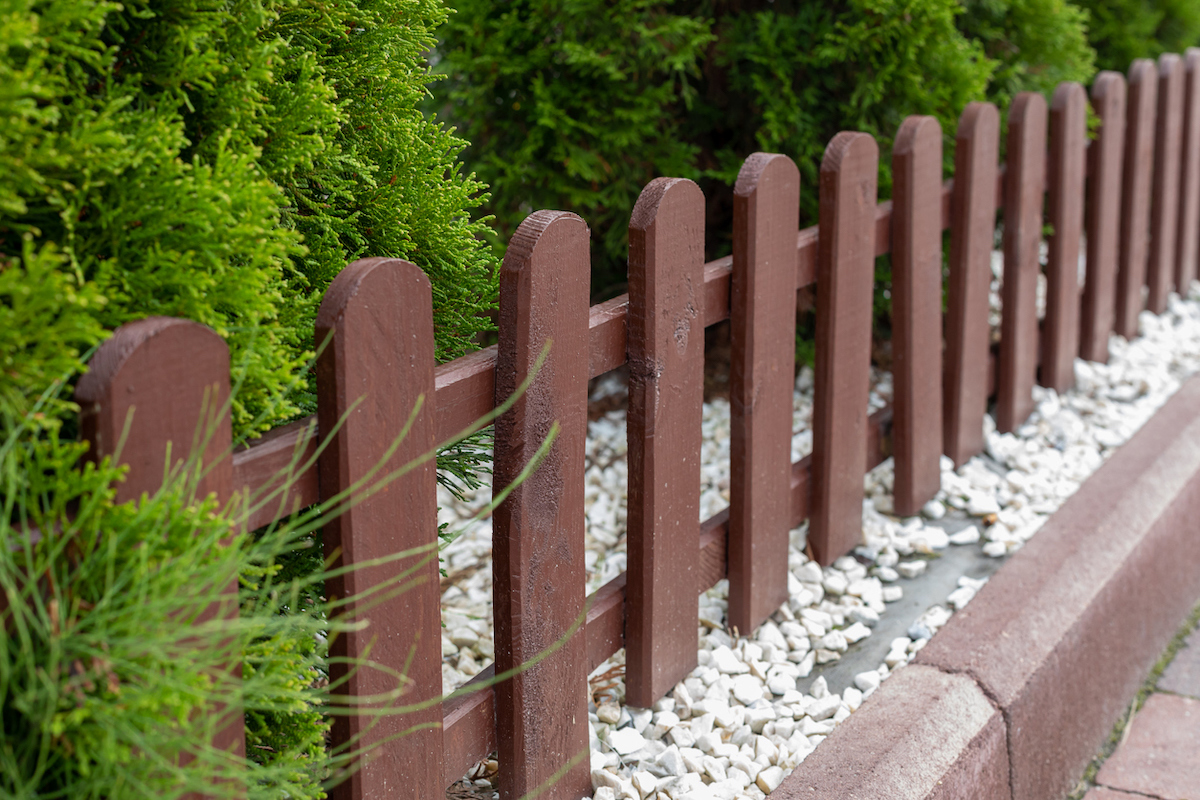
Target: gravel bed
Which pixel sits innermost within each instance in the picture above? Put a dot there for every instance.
(753, 709)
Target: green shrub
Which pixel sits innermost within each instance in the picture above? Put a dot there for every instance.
(576, 104)
(1122, 30)
(222, 161)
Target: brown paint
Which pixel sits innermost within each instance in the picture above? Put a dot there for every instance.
(1164, 206)
(377, 317)
(666, 395)
(844, 307)
(1024, 193)
(1135, 205)
(766, 209)
(538, 537)
(1066, 170)
(972, 234)
(1103, 217)
(1188, 238)
(917, 313)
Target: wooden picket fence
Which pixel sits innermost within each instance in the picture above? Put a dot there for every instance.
(1135, 190)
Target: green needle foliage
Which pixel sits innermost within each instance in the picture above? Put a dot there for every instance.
(222, 160)
(576, 104)
(1122, 30)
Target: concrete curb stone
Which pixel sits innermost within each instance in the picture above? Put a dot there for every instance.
(1059, 639)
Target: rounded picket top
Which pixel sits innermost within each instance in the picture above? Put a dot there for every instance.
(676, 199)
(917, 133)
(761, 170)
(168, 380)
(977, 119)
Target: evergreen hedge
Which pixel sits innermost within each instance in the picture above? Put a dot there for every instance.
(576, 104)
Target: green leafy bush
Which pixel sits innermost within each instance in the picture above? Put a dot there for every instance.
(222, 161)
(1122, 30)
(575, 104)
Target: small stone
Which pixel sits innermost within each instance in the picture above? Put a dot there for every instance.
(747, 689)
(980, 505)
(609, 713)
(856, 633)
(603, 779)
(892, 593)
(824, 707)
(995, 549)
(960, 597)
(626, 741)
(934, 509)
(780, 684)
(865, 615)
(820, 687)
(671, 762)
(835, 583)
(769, 779)
(726, 662)
(644, 782)
(604, 792)
(682, 736)
(826, 656)
(968, 535)
(867, 682)
(886, 574)
(912, 569)
(834, 640)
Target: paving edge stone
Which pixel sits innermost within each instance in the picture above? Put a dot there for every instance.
(1054, 646)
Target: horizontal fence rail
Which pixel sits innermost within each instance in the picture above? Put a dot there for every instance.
(1133, 193)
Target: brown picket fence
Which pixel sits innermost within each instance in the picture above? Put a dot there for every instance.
(1134, 190)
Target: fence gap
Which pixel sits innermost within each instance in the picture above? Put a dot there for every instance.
(917, 313)
(1135, 205)
(538, 532)
(766, 218)
(376, 323)
(666, 394)
(1188, 239)
(1103, 217)
(972, 234)
(1065, 175)
(845, 287)
(1023, 197)
(1164, 208)
(169, 379)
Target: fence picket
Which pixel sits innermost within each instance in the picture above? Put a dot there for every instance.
(538, 538)
(917, 313)
(1023, 197)
(972, 233)
(377, 364)
(845, 286)
(1103, 217)
(763, 331)
(1188, 238)
(1164, 208)
(1066, 173)
(666, 395)
(1135, 204)
(169, 380)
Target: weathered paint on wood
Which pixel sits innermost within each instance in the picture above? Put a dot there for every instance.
(375, 370)
(1164, 207)
(1188, 238)
(845, 286)
(1103, 217)
(538, 539)
(1024, 195)
(917, 313)
(763, 331)
(1135, 206)
(666, 395)
(163, 385)
(1066, 175)
(972, 235)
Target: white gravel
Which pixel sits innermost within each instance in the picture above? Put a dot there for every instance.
(749, 713)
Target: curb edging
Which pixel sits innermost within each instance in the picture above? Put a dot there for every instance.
(1054, 645)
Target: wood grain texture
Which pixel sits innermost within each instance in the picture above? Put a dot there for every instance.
(1103, 217)
(972, 234)
(163, 385)
(1065, 177)
(1024, 195)
(1188, 238)
(917, 313)
(538, 538)
(1164, 205)
(666, 395)
(844, 306)
(766, 211)
(375, 371)
(1141, 111)
(167, 380)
